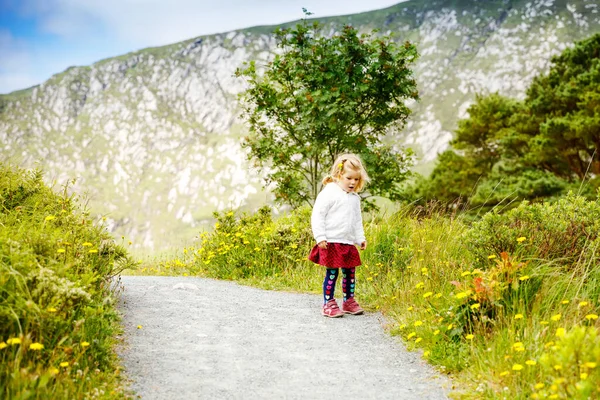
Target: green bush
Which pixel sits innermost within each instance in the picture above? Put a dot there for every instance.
(57, 316)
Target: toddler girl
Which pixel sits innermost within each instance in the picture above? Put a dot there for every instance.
(337, 227)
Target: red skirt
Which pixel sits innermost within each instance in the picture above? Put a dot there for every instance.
(336, 255)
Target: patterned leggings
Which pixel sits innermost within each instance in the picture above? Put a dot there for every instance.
(348, 283)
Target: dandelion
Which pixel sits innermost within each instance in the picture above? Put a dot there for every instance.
(517, 367)
(530, 362)
(257, 249)
(85, 344)
(521, 239)
(426, 354)
(436, 332)
(590, 317)
(410, 308)
(539, 386)
(51, 309)
(418, 323)
(544, 322)
(560, 332)
(92, 251)
(491, 256)
(50, 218)
(3, 345)
(53, 370)
(230, 214)
(417, 340)
(403, 326)
(466, 273)
(557, 367)
(504, 373)
(64, 364)
(519, 316)
(370, 278)
(60, 250)
(139, 327)
(583, 303)
(462, 295)
(246, 242)
(87, 244)
(36, 346)
(450, 326)
(565, 302)
(553, 396)
(469, 336)
(475, 306)
(549, 344)
(583, 376)
(13, 341)
(411, 335)
(419, 285)
(556, 317)
(524, 278)
(590, 364)
(428, 294)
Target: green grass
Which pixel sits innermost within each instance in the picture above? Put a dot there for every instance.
(507, 306)
(58, 322)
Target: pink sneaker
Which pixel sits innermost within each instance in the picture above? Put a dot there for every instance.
(332, 310)
(351, 307)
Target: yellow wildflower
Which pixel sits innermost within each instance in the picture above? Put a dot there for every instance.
(590, 317)
(521, 239)
(410, 308)
(417, 340)
(590, 364)
(3, 345)
(519, 316)
(469, 336)
(436, 332)
(64, 364)
(428, 294)
(466, 273)
(530, 362)
(583, 303)
(418, 323)
(565, 302)
(524, 278)
(87, 244)
(36, 346)
(583, 376)
(475, 306)
(426, 354)
(504, 373)
(412, 334)
(93, 251)
(450, 326)
(51, 309)
(539, 386)
(438, 295)
(53, 370)
(491, 256)
(60, 250)
(85, 344)
(517, 367)
(555, 317)
(139, 327)
(50, 218)
(560, 332)
(13, 341)
(558, 367)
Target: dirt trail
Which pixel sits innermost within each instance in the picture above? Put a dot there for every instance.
(209, 339)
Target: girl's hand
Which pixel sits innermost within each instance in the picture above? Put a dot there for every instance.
(323, 244)
(363, 245)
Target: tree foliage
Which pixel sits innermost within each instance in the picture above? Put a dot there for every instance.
(536, 148)
(324, 95)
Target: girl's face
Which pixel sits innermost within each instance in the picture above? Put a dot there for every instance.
(349, 180)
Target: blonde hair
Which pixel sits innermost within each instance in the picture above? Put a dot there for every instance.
(348, 162)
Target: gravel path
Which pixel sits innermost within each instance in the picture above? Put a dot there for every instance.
(209, 339)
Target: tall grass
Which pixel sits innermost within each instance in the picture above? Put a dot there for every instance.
(507, 305)
(58, 322)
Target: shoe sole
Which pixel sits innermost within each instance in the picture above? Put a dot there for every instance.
(333, 316)
(354, 313)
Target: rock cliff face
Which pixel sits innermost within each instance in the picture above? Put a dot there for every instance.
(152, 136)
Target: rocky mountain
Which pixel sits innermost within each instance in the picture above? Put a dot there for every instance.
(152, 137)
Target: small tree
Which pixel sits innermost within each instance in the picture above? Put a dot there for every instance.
(322, 96)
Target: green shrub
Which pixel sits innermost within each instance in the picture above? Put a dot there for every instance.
(57, 316)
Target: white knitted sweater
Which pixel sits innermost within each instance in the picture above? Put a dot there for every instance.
(336, 216)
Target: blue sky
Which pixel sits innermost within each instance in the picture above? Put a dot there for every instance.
(39, 38)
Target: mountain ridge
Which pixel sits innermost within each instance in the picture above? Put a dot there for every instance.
(153, 135)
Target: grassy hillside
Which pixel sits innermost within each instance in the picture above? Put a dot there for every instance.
(58, 322)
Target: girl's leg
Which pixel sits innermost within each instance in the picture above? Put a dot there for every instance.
(331, 276)
(348, 283)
